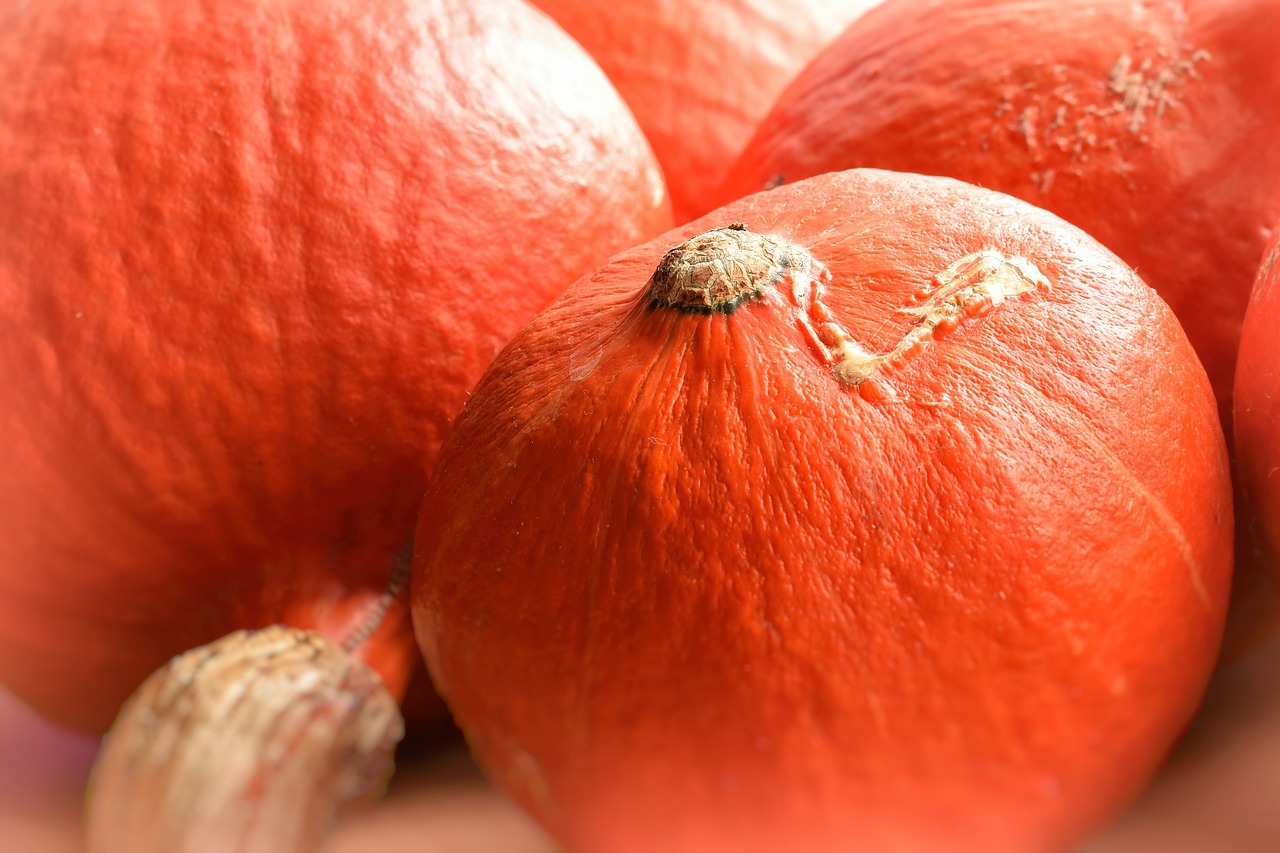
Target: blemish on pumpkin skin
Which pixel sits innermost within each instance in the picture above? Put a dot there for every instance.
(1147, 88)
(1065, 116)
(966, 291)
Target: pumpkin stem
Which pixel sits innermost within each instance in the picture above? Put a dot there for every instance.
(250, 743)
(721, 269)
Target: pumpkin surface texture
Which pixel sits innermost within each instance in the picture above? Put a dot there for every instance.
(700, 76)
(1257, 412)
(882, 512)
(252, 257)
(1152, 125)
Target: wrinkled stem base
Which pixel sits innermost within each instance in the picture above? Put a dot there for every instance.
(249, 744)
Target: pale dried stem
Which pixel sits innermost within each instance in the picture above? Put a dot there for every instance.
(249, 744)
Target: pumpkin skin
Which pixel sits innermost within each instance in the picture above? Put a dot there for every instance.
(1151, 125)
(700, 76)
(1257, 414)
(686, 590)
(251, 259)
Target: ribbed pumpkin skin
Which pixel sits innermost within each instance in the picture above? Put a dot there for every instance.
(700, 76)
(252, 256)
(1152, 125)
(685, 590)
(1257, 412)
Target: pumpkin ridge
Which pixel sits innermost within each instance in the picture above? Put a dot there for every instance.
(1086, 436)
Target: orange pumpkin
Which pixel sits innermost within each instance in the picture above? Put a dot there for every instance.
(1152, 125)
(1257, 413)
(700, 76)
(898, 518)
(252, 256)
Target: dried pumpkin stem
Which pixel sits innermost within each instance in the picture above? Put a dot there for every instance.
(251, 743)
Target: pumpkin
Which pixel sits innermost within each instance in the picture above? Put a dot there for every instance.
(715, 66)
(252, 257)
(878, 511)
(1257, 414)
(1152, 125)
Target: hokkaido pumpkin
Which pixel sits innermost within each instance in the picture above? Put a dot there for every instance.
(252, 257)
(874, 512)
(1152, 125)
(1257, 413)
(700, 76)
